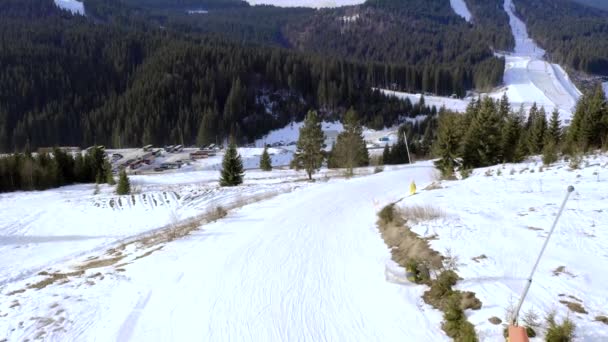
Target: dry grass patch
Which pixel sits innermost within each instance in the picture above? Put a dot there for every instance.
(495, 320)
(406, 246)
(148, 253)
(575, 307)
(421, 213)
(98, 263)
(603, 319)
(478, 258)
(53, 278)
(562, 270)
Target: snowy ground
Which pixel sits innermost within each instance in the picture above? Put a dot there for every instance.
(460, 7)
(307, 265)
(528, 78)
(306, 3)
(511, 214)
(76, 7)
(605, 85)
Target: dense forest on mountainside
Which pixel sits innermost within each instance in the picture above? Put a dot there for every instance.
(443, 53)
(573, 34)
(69, 81)
(490, 18)
(602, 4)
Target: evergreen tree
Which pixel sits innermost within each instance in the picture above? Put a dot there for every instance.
(482, 140)
(511, 137)
(124, 186)
(207, 128)
(504, 108)
(309, 154)
(447, 146)
(554, 131)
(589, 127)
(232, 167)
(350, 150)
(536, 133)
(265, 161)
(399, 153)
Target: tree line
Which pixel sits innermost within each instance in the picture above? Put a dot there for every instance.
(422, 43)
(26, 171)
(490, 132)
(70, 82)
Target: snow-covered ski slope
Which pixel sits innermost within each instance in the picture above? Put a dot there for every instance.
(460, 7)
(528, 78)
(76, 7)
(306, 3)
(304, 266)
(501, 215)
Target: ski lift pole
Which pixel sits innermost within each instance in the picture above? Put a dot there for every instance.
(525, 293)
(409, 159)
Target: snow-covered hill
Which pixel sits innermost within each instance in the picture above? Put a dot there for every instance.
(306, 3)
(74, 6)
(495, 223)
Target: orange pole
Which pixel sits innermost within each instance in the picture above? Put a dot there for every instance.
(517, 334)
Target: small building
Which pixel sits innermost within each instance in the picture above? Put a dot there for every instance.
(199, 155)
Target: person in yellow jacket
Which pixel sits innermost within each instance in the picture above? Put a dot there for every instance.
(412, 188)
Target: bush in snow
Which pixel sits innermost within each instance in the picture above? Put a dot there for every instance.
(265, 162)
(556, 332)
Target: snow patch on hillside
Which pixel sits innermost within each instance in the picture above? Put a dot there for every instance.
(460, 7)
(605, 85)
(76, 7)
(306, 3)
(495, 223)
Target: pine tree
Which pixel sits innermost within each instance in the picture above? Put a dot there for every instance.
(124, 186)
(554, 131)
(309, 154)
(511, 136)
(481, 145)
(447, 146)
(265, 161)
(536, 133)
(350, 150)
(232, 167)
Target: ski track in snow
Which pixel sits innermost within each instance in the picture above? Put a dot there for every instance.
(460, 8)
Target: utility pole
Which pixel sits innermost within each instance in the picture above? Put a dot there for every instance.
(409, 159)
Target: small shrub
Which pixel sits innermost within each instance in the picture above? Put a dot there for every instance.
(466, 173)
(549, 153)
(530, 331)
(441, 289)
(455, 322)
(563, 332)
(575, 162)
(469, 301)
(378, 169)
(489, 172)
(498, 172)
(512, 172)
